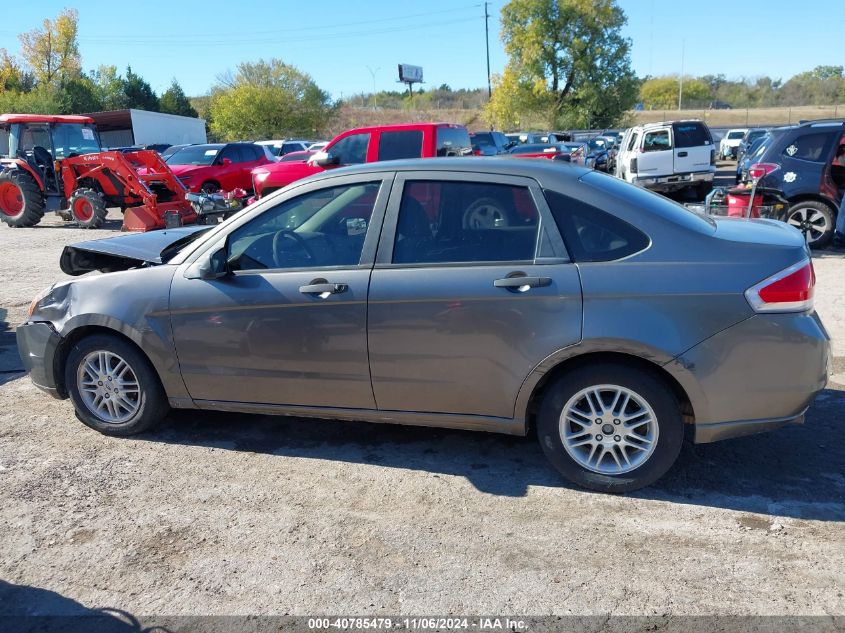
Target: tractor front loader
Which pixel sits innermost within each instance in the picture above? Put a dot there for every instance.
(55, 163)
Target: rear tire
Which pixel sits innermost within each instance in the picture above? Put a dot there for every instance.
(814, 219)
(88, 208)
(702, 189)
(209, 187)
(626, 456)
(21, 202)
(113, 386)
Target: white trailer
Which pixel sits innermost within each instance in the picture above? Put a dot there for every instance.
(124, 128)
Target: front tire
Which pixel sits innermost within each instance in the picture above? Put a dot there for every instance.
(21, 202)
(610, 427)
(113, 386)
(88, 208)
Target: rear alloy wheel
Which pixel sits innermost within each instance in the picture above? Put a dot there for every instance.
(485, 213)
(21, 202)
(611, 428)
(814, 219)
(88, 208)
(113, 387)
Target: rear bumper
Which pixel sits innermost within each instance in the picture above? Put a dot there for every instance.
(37, 345)
(758, 375)
(674, 181)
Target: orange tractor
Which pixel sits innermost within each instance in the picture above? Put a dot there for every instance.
(55, 163)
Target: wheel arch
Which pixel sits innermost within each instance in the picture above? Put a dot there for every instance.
(813, 197)
(532, 395)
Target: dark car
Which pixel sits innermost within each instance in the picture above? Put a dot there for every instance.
(751, 155)
(748, 139)
(485, 294)
(490, 143)
(799, 163)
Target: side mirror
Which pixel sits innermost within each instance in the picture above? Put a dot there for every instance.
(324, 159)
(213, 266)
(226, 162)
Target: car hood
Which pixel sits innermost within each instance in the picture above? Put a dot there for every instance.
(126, 251)
(187, 170)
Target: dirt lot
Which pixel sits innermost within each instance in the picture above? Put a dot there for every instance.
(236, 514)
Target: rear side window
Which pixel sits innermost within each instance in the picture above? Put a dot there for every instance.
(396, 145)
(693, 134)
(656, 141)
(591, 235)
(812, 147)
(633, 142)
(461, 222)
(453, 141)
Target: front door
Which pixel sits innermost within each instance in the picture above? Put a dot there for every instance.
(471, 290)
(287, 326)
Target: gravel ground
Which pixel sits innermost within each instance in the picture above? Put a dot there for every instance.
(237, 514)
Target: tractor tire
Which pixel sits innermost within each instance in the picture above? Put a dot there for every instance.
(88, 208)
(21, 202)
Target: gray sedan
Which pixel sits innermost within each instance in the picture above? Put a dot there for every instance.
(489, 295)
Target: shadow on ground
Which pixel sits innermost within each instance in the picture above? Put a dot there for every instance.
(10, 364)
(797, 471)
(25, 609)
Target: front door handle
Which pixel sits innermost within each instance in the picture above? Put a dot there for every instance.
(323, 289)
(682, 154)
(521, 284)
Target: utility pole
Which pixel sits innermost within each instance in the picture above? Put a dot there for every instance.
(681, 88)
(487, 42)
(373, 75)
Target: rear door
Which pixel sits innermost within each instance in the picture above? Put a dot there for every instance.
(655, 158)
(471, 290)
(692, 146)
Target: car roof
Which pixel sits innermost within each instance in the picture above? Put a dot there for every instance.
(44, 118)
(505, 166)
(402, 126)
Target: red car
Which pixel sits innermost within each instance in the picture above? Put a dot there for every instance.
(368, 145)
(218, 166)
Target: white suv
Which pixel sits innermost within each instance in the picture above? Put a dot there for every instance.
(729, 145)
(668, 156)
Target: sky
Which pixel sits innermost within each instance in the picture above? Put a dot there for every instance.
(351, 47)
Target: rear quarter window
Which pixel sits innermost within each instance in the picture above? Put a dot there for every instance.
(453, 141)
(397, 145)
(811, 147)
(692, 134)
(593, 235)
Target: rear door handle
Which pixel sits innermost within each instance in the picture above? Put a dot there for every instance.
(522, 284)
(323, 289)
(683, 154)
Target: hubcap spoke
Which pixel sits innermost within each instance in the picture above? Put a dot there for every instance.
(608, 429)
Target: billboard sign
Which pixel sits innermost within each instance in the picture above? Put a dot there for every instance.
(410, 74)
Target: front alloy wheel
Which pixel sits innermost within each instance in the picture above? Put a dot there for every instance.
(108, 386)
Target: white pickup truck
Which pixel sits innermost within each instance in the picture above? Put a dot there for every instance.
(668, 156)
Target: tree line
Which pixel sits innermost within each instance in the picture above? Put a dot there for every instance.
(568, 67)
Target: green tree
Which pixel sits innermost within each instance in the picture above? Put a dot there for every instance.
(109, 88)
(80, 96)
(267, 100)
(138, 92)
(661, 93)
(174, 101)
(52, 51)
(569, 61)
(10, 72)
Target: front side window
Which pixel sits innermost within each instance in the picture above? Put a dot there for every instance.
(351, 150)
(318, 229)
(591, 235)
(398, 145)
(34, 136)
(812, 147)
(656, 141)
(457, 222)
(232, 152)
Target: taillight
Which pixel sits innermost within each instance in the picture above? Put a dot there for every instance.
(633, 167)
(790, 290)
(476, 152)
(712, 156)
(757, 171)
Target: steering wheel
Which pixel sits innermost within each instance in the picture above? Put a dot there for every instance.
(296, 238)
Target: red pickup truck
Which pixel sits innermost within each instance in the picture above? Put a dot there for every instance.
(368, 145)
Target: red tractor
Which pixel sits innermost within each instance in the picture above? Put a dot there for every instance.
(55, 163)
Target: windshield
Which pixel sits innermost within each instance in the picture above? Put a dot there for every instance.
(195, 155)
(598, 143)
(70, 139)
(736, 135)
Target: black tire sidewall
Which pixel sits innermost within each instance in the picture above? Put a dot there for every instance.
(154, 404)
(33, 209)
(99, 213)
(645, 383)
